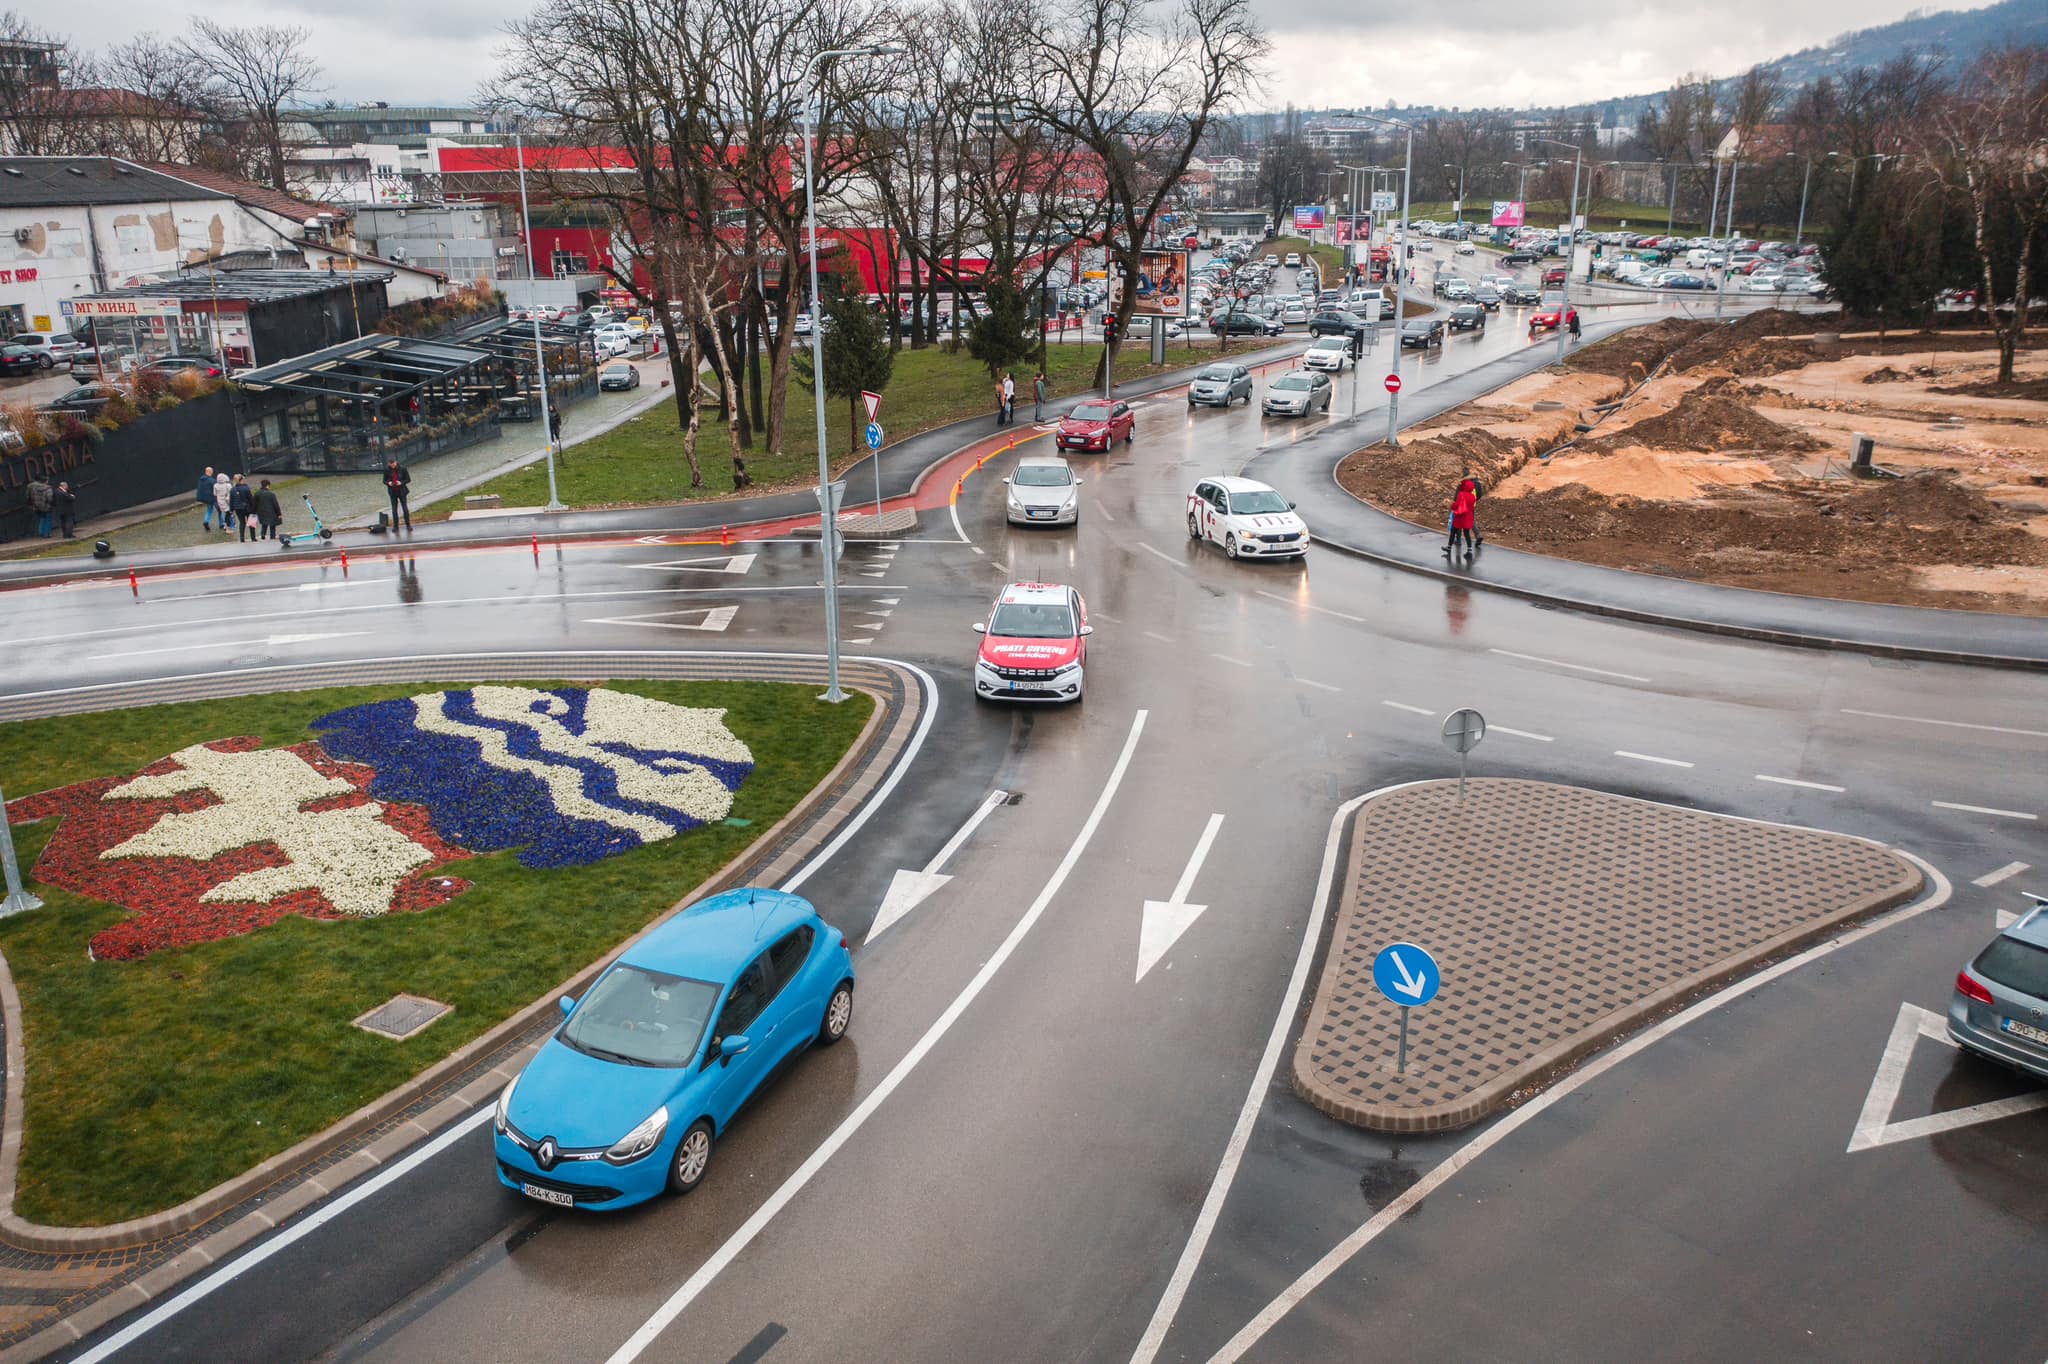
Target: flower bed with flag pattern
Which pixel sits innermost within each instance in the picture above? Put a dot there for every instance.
(230, 884)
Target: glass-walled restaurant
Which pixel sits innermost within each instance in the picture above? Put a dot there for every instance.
(349, 408)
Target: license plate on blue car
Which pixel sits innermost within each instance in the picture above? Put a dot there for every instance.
(2026, 1030)
(554, 1196)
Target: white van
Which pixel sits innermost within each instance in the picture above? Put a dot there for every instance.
(1697, 258)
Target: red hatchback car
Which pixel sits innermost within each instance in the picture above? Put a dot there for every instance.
(1096, 425)
(1547, 319)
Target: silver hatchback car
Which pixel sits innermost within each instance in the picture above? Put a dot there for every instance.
(2000, 1007)
(1220, 386)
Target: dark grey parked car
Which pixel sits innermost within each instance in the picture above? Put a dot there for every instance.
(1468, 317)
(1220, 386)
(2000, 1007)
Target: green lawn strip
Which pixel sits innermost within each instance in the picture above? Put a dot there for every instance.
(641, 462)
(1329, 259)
(150, 1081)
(1604, 215)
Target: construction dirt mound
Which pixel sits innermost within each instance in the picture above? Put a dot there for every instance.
(1637, 352)
(2035, 390)
(1703, 421)
(1417, 480)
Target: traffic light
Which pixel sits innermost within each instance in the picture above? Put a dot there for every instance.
(1108, 327)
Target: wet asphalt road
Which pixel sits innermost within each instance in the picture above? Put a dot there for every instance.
(1027, 1185)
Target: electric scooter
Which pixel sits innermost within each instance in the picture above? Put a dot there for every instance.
(319, 532)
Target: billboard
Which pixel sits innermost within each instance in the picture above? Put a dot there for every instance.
(1308, 217)
(1357, 228)
(1161, 284)
(1385, 201)
(1507, 213)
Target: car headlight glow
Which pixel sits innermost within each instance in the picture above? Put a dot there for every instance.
(640, 1140)
(505, 1101)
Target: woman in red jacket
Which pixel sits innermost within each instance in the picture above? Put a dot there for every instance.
(1464, 510)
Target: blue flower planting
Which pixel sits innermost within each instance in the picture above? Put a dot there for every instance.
(568, 776)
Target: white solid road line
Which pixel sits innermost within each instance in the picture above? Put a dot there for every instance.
(1154, 549)
(1794, 781)
(1651, 758)
(1982, 810)
(651, 1329)
(1319, 686)
(268, 642)
(1254, 1099)
(2004, 873)
(1951, 724)
(1520, 734)
(908, 889)
(1515, 1119)
(953, 509)
(388, 1174)
(1412, 710)
(1226, 658)
(1560, 663)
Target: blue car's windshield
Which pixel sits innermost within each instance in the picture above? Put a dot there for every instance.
(641, 1017)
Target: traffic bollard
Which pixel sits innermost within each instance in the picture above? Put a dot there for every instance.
(344, 563)
(536, 544)
(132, 585)
(725, 535)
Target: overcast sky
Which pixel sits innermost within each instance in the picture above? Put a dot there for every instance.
(1479, 53)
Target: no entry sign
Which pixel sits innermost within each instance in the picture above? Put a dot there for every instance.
(1393, 383)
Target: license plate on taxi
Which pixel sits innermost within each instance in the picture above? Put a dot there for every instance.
(2026, 1030)
(554, 1196)
(1031, 686)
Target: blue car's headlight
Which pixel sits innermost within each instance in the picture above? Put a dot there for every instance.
(505, 1102)
(640, 1140)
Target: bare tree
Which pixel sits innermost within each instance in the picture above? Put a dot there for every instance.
(1984, 144)
(254, 73)
(33, 120)
(1138, 90)
(158, 91)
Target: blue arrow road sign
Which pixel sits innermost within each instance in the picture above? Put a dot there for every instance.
(874, 435)
(1406, 974)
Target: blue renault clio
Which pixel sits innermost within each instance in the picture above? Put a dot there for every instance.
(627, 1097)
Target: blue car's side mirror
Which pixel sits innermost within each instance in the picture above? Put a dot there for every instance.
(568, 1003)
(735, 1045)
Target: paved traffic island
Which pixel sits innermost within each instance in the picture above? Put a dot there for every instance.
(1560, 918)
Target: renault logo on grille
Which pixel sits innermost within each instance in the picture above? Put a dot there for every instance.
(545, 1153)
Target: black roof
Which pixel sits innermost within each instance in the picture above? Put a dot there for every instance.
(253, 286)
(370, 369)
(60, 181)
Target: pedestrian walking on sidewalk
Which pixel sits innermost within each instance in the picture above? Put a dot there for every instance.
(1038, 387)
(40, 495)
(223, 493)
(1001, 411)
(1573, 323)
(1477, 492)
(1464, 508)
(1009, 398)
(398, 485)
(204, 494)
(268, 512)
(64, 503)
(242, 506)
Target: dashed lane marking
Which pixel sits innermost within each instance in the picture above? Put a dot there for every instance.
(1575, 667)
(1794, 781)
(1950, 724)
(1154, 634)
(1154, 549)
(1651, 758)
(1520, 733)
(2004, 873)
(1983, 810)
(1319, 686)
(1412, 710)
(1226, 658)
(1322, 610)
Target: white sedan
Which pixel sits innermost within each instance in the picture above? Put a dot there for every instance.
(1250, 520)
(1328, 353)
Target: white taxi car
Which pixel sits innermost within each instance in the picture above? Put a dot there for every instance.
(1332, 352)
(1034, 645)
(1249, 519)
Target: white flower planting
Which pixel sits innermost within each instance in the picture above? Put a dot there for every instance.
(349, 855)
(610, 718)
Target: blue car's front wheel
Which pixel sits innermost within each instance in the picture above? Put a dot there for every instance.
(692, 1158)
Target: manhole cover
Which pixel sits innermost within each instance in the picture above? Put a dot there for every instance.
(402, 1016)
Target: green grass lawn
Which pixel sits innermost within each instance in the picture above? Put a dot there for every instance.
(641, 462)
(1603, 215)
(1329, 259)
(150, 1081)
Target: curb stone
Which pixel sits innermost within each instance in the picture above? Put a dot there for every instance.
(772, 856)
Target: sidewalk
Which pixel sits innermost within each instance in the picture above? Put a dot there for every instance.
(1561, 919)
(1306, 471)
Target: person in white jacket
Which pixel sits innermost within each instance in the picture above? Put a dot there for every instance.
(223, 489)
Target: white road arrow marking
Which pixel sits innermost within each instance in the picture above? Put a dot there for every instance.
(714, 618)
(1407, 985)
(1165, 920)
(1874, 1126)
(908, 889)
(651, 540)
(717, 563)
(267, 642)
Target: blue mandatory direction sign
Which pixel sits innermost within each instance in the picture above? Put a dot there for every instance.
(874, 435)
(1406, 974)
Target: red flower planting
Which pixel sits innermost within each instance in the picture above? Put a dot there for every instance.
(167, 893)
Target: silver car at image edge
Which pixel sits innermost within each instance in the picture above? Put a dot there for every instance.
(2000, 1006)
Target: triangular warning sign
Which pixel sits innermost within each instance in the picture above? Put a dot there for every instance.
(874, 404)
(1874, 1127)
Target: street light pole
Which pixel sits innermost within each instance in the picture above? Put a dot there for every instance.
(1458, 209)
(827, 527)
(1400, 278)
(1671, 213)
(1805, 184)
(540, 358)
(1721, 294)
(1571, 246)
